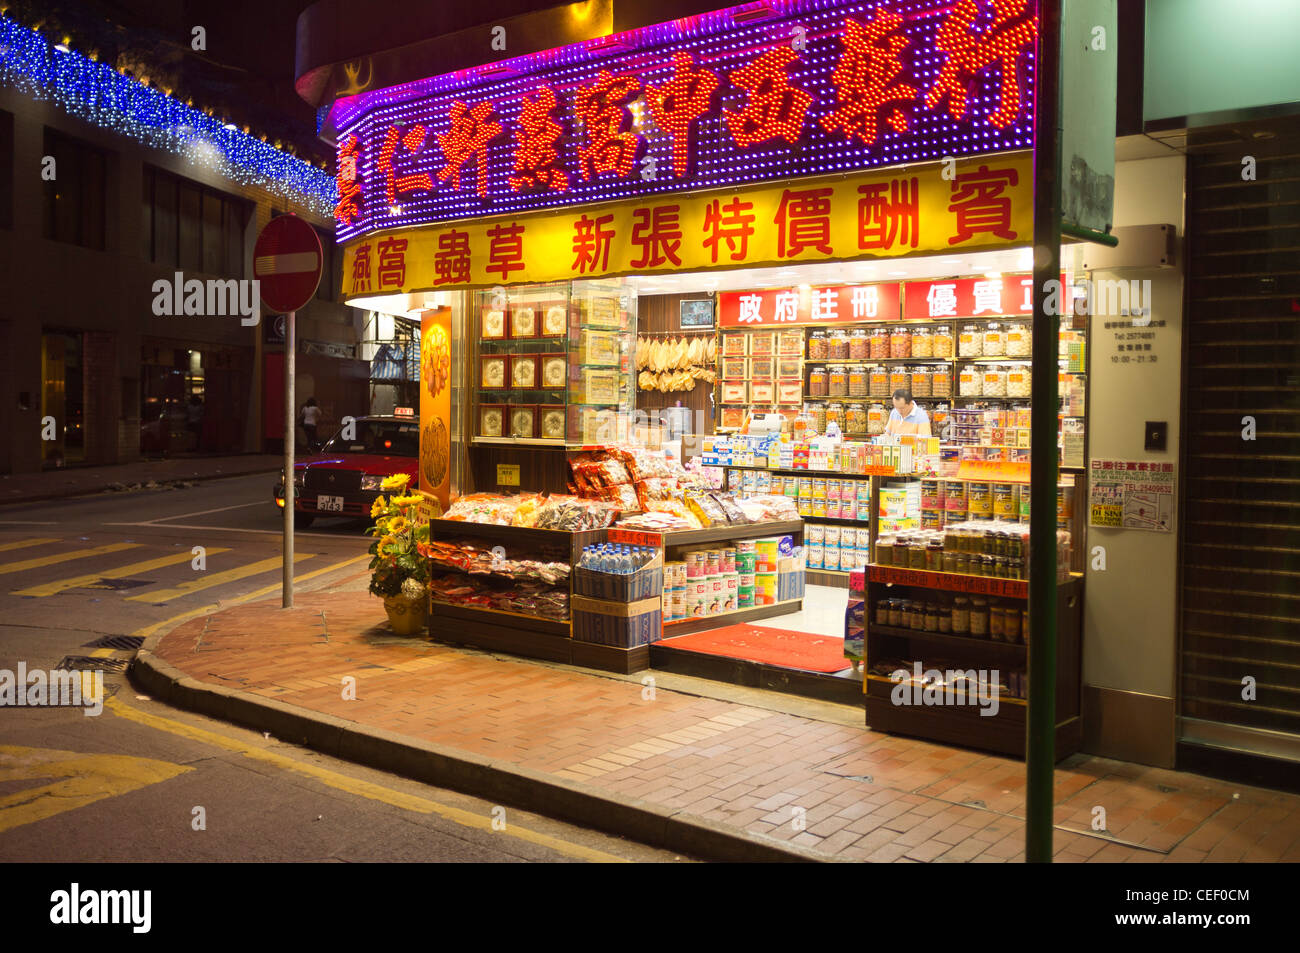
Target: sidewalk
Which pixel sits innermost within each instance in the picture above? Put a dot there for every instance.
(77, 481)
(699, 767)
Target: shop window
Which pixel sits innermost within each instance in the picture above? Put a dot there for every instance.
(74, 198)
(6, 169)
(190, 227)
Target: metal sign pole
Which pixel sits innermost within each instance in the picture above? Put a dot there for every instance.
(290, 426)
(1040, 734)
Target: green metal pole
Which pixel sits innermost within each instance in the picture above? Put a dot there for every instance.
(1040, 740)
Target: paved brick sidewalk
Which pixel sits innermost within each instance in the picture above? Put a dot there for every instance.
(862, 795)
(75, 481)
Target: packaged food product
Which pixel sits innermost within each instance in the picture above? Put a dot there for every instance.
(970, 382)
(922, 343)
(878, 381)
(706, 509)
(837, 344)
(970, 343)
(942, 342)
(817, 346)
(994, 383)
(940, 381)
(838, 381)
(859, 345)
(920, 377)
(995, 344)
(857, 380)
(1018, 340)
(877, 419)
(1018, 380)
(878, 344)
(732, 511)
(900, 343)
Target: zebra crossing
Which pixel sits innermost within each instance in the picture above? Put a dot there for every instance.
(118, 570)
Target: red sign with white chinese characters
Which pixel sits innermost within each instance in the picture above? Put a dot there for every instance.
(775, 307)
(973, 297)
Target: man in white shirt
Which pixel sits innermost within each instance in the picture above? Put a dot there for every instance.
(907, 416)
(310, 418)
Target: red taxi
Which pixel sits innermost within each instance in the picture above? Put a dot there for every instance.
(344, 478)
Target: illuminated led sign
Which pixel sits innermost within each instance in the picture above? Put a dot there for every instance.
(760, 92)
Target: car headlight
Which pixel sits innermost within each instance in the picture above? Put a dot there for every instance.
(372, 481)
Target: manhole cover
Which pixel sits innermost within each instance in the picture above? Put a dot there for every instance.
(116, 642)
(86, 663)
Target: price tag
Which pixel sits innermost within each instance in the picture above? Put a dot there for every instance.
(634, 537)
(507, 474)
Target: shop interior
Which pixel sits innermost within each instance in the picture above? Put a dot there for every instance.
(789, 535)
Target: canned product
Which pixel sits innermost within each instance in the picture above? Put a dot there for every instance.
(731, 587)
(980, 500)
(694, 565)
(744, 596)
(954, 495)
(1004, 501)
(728, 560)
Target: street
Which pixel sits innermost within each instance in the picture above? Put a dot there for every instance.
(84, 581)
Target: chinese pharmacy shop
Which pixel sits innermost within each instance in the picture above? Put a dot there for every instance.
(726, 345)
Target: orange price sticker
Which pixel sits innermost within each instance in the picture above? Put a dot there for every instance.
(633, 537)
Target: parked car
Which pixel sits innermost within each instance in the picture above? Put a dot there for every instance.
(344, 478)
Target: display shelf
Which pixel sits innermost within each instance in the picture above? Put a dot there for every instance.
(868, 361)
(886, 680)
(793, 471)
(948, 581)
(957, 643)
(541, 624)
(732, 616)
(719, 534)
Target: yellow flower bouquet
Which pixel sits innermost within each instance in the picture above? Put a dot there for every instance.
(396, 568)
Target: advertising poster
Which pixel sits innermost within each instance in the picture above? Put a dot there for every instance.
(1131, 494)
(435, 405)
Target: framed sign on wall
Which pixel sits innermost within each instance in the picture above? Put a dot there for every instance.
(697, 313)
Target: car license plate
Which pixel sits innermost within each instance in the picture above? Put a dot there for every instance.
(331, 504)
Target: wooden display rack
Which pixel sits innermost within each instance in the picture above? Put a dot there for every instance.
(963, 724)
(497, 630)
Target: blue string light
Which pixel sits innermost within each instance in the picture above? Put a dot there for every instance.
(100, 95)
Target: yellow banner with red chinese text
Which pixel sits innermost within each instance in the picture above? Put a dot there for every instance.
(968, 204)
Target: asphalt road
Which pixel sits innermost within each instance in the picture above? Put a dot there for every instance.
(144, 782)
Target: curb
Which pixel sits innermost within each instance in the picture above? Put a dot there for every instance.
(461, 771)
(101, 490)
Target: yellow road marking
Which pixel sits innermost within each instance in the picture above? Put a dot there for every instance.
(149, 630)
(374, 792)
(208, 580)
(64, 557)
(24, 543)
(121, 572)
(86, 778)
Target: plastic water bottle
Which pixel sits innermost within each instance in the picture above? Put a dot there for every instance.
(625, 561)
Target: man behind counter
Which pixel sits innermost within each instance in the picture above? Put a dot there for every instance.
(907, 416)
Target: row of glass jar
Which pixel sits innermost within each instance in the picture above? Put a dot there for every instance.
(853, 419)
(1014, 380)
(1009, 339)
(976, 617)
(916, 552)
(862, 380)
(862, 344)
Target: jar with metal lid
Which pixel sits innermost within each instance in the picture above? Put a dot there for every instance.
(837, 345)
(1018, 340)
(900, 378)
(896, 612)
(920, 375)
(878, 381)
(922, 342)
(818, 381)
(1011, 624)
(979, 618)
(834, 414)
(900, 343)
(1001, 567)
(995, 342)
(997, 623)
(941, 345)
(859, 345)
(916, 555)
(970, 342)
(994, 381)
(857, 380)
(817, 410)
(855, 419)
(949, 561)
(961, 616)
(877, 419)
(945, 619)
(940, 381)
(931, 617)
(970, 382)
(963, 563)
(885, 551)
(881, 615)
(817, 349)
(934, 556)
(837, 381)
(878, 343)
(988, 565)
(1019, 379)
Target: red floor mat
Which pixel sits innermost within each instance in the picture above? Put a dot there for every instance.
(757, 643)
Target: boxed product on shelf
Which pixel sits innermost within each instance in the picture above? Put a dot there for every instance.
(619, 624)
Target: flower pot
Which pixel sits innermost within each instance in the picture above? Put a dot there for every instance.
(406, 617)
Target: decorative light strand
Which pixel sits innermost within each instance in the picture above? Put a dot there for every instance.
(98, 94)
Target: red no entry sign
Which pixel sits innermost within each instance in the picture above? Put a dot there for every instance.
(287, 263)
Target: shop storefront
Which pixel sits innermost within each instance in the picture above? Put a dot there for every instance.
(747, 299)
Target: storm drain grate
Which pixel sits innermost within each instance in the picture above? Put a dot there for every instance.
(127, 642)
(87, 663)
